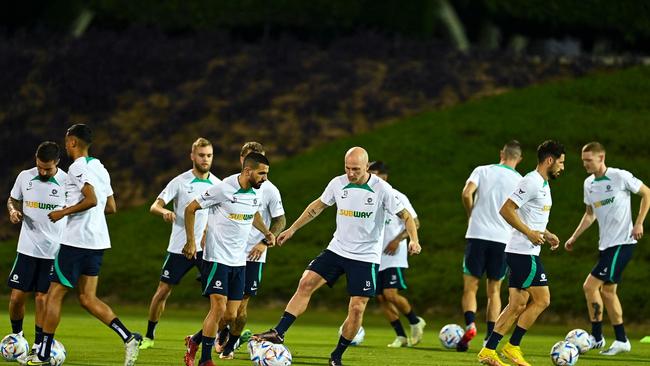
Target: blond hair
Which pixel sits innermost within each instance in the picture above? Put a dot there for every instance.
(595, 147)
(251, 146)
(200, 142)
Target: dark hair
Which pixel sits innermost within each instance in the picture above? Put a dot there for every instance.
(512, 149)
(549, 148)
(253, 160)
(47, 151)
(379, 167)
(82, 132)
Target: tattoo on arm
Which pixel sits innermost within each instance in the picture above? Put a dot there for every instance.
(278, 224)
(312, 213)
(597, 310)
(402, 214)
(14, 204)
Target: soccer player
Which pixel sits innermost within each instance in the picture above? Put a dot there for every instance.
(37, 192)
(607, 199)
(485, 191)
(394, 262)
(235, 205)
(181, 190)
(89, 197)
(362, 201)
(273, 215)
(527, 211)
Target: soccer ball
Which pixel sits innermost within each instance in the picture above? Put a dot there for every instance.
(450, 335)
(358, 339)
(580, 339)
(57, 353)
(269, 354)
(13, 346)
(564, 353)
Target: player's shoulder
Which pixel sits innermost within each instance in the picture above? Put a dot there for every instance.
(401, 196)
(589, 180)
(533, 179)
(615, 173)
(61, 175)
(269, 188)
(28, 173)
(502, 170)
(213, 178)
(377, 185)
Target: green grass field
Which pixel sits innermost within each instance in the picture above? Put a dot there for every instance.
(310, 340)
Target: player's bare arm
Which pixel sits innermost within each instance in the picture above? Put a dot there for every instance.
(189, 250)
(158, 208)
(587, 219)
(89, 201)
(14, 207)
(551, 239)
(637, 230)
(468, 197)
(393, 245)
(313, 209)
(509, 213)
(412, 230)
(277, 225)
(111, 206)
(258, 223)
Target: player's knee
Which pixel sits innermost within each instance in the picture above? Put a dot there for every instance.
(544, 302)
(240, 320)
(391, 296)
(356, 310)
(86, 301)
(40, 298)
(306, 287)
(470, 287)
(588, 288)
(608, 293)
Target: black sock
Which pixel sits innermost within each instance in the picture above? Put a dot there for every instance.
(151, 328)
(38, 334)
(206, 349)
(470, 316)
(120, 329)
(46, 346)
(285, 322)
(517, 335)
(340, 348)
(619, 330)
(490, 328)
(493, 341)
(230, 345)
(198, 337)
(597, 330)
(16, 326)
(223, 335)
(413, 319)
(399, 329)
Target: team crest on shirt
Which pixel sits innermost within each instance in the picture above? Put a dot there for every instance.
(54, 193)
(609, 188)
(369, 201)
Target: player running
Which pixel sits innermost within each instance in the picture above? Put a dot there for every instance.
(89, 197)
(607, 199)
(485, 191)
(273, 215)
(36, 192)
(234, 205)
(362, 202)
(394, 262)
(182, 190)
(527, 211)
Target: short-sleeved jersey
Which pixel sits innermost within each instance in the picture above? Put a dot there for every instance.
(360, 217)
(494, 185)
(40, 237)
(609, 196)
(533, 197)
(271, 207)
(394, 227)
(184, 189)
(87, 229)
(232, 210)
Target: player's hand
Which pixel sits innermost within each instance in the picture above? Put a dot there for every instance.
(414, 247)
(189, 250)
(536, 237)
(568, 246)
(15, 216)
(552, 239)
(284, 236)
(391, 248)
(169, 216)
(204, 239)
(637, 232)
(270, 239)
(257, 251)
(56, 215)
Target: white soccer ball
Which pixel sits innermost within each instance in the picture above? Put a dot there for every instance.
(13, 346)
(564, 353)
(269, 354)
(450, 335)
(580, 339)
(358, 339)
(57, 353)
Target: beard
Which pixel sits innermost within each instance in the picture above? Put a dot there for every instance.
(201, 169)
(43, 178)
(255, 184)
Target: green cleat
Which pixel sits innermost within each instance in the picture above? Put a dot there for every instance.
(146, 343)
(243, 338)
(645, 339)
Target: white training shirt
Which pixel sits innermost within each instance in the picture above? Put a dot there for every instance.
(360, 217)
(394, 227)
(609, 196)
(40, 237)
(184, 189)
(533, 197)
(232, 210)
(494, 184)
(271, 207)
(87, 229)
